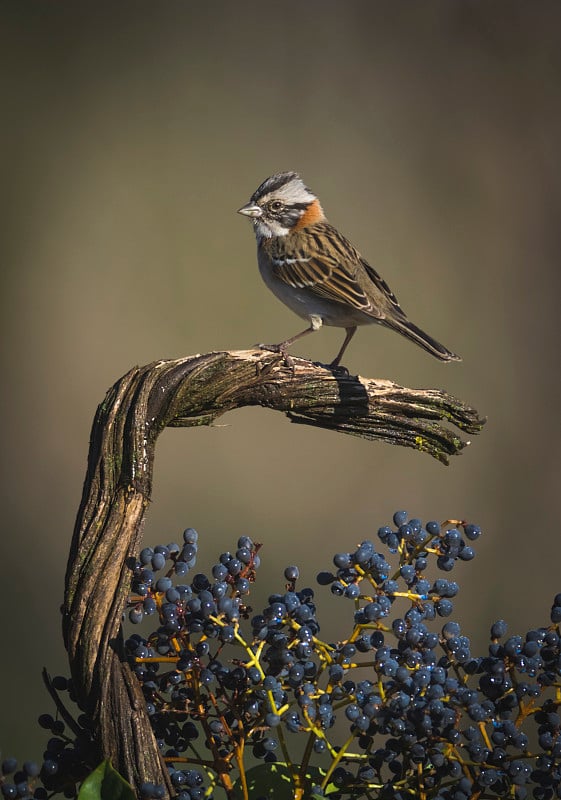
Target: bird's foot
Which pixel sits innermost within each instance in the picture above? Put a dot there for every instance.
(281, 349)
(336, 369)
(339, 369)
(272, 348)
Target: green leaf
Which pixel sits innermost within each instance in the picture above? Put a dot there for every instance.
(274, 781)
(105, 783)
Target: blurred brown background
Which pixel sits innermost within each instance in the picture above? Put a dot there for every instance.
(131, 132)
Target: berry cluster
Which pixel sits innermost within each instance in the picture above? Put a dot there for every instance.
(399, 707)
(68, 758)
(19, 782)
(417, 713)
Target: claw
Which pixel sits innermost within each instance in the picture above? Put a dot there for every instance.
(338, 369)
(287, 359)
(272, 348)
(289, 362)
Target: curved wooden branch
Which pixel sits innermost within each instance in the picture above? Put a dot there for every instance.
(186, 392)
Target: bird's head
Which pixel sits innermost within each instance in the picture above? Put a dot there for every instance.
(282, 204)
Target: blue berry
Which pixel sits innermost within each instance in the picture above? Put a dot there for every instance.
(292, 574)
(136, 615)
(190, 536)
(498, 629)
(472, 532)
(158, 561)
(9, 765)
(146, 556)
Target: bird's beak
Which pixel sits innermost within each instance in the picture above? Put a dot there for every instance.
(251, 210)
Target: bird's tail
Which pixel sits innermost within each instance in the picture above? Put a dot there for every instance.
(421, 338)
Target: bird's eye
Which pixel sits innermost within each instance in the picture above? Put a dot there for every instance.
(276, 206)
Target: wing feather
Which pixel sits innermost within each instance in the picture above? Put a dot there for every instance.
(325, 262)
(382, 287)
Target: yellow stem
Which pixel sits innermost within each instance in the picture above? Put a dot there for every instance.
(238, 755)
(337, 760)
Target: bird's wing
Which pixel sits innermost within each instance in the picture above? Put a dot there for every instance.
(382, 287)
(324, 262)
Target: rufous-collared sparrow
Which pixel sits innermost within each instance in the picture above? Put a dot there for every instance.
(317, 272)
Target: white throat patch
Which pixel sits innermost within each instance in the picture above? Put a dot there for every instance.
(266, 230)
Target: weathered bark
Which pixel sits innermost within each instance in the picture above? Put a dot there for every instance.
(186, 392)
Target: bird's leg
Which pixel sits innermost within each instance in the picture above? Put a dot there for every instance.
(349, 335)
(282, 347)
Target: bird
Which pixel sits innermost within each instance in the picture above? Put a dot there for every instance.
(317, 272)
